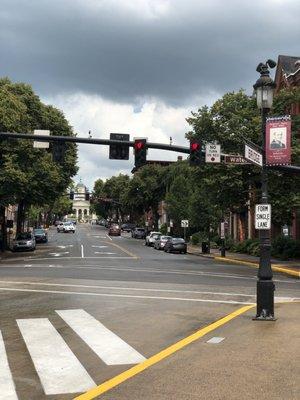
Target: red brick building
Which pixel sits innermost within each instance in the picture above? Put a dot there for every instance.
(288, 76)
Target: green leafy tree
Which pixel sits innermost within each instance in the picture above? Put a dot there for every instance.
(28, 176)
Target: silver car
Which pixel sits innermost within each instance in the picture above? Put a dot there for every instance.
(24, 241)
(160, 242)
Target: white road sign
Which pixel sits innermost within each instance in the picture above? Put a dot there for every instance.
(41, 145)
(263, 216)
(212, 153)
(184, 223)
(253, 155)
(222, 230)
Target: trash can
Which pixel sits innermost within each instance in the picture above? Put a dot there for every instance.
(205, 247)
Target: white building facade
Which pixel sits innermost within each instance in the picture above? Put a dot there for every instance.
(81, 206)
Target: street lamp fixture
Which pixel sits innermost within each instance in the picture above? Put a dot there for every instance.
(264, 88)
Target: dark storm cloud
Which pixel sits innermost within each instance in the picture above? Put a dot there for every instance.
(104, 48)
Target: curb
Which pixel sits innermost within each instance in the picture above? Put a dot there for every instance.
(277, 267)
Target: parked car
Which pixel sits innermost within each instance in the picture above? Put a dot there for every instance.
(128, 227)
(40, 235)
(160, 242)
(69, 227)
(57, 222)
(60, 227)
(138, 233)
(149, 241)
(114, 229)
(24, 241)
(176, 244)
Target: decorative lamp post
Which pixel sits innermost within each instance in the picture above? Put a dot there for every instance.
(264, 88)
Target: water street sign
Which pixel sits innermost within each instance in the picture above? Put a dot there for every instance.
(184, 223)
(212, 153)
(235, 160)
(263, 216)
(253, 155)
(41, 145)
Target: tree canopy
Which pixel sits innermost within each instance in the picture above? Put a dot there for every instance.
(28, 175)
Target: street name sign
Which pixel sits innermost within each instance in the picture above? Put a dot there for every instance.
(253, 155)
(235, 160)
(41, 145)
(184, 223)
(212, 153)
(263, 216)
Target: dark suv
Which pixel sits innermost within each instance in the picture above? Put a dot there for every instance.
(138, 233)
(128, 227)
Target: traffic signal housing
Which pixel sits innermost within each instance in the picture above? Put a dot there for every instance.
(58, 152)
(195, 153)
(140, 152)
(119, 151)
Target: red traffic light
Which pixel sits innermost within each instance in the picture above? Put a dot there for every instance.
(138, 145)
(195, 146)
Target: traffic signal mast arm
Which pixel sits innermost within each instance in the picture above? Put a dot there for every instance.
(107, 142)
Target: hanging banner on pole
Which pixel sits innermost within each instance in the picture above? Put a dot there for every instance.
(278, 141)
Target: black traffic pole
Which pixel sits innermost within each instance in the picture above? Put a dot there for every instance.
(265, 285)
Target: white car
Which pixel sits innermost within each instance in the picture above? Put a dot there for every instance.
(151, 238)
(69, 227)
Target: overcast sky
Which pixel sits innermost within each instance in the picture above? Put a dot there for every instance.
(139, 66)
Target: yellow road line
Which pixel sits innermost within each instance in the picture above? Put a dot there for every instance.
(277, 267)
(117, 380)
(124, 250)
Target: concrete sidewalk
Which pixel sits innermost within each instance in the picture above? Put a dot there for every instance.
(255, 360)
(291, 268)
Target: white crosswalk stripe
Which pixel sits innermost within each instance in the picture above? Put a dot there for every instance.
(58, 368)
(7, 387)
(107, 345)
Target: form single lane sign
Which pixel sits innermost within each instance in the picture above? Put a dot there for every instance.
(263, 216)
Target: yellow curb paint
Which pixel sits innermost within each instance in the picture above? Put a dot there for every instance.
(287, 271)
(235, 261)
(124, 250)
(117, 380)
(277, 267)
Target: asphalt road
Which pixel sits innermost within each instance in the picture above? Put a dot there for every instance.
(85, 307)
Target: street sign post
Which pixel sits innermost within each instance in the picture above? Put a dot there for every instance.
(263, 216)
(41, 145)
(253, 155)
(212, 153)
(222, 230)
(184, 225)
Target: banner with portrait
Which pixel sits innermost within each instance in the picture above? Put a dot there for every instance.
(278, 141)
